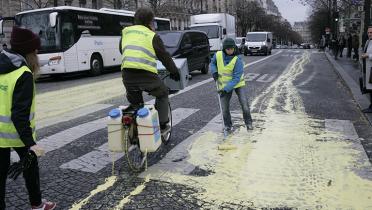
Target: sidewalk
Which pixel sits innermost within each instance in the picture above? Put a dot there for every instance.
(349, 72)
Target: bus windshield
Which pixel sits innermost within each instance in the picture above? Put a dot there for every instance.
(211, 31)
(38, 23)
(256, 37)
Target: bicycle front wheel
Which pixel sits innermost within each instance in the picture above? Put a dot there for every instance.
(136, 159)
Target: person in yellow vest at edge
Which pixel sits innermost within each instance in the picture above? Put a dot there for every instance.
(141, 47)
(18, 67)
(228, 70)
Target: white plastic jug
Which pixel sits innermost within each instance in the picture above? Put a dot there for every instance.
(149, 134)
(115, 131)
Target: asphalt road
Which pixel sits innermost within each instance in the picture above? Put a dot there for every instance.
(304, 151)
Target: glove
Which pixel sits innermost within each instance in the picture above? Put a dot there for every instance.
(215, 76)
(222, 93)
(18, 167)
(175, 76)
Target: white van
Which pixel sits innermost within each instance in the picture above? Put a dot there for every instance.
(258, 42)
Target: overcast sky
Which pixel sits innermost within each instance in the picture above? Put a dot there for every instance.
(292, 10)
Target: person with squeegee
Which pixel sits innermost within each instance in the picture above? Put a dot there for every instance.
(228, 73)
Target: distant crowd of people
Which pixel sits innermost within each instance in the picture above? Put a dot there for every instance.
(337, 44)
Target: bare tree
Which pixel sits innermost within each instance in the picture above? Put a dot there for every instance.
(37, 4)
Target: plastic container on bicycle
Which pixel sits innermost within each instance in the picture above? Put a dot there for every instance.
(148, 127)
(115, 130)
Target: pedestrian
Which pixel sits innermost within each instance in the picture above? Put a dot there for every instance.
(355, 44)
(367, 61)
(18, 68)
(335, 46)
(227, 69)
(349, 45)
(141, 47)
(341, 44)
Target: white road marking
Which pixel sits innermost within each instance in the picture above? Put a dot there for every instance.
(266, 78)
(307, 80)
(71, 115)
(65, 137)
(251, 76)
(99, 158)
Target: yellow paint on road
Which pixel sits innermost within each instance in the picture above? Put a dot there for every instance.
(136, 191)
(54, 103)
(288, 160)
(109, 182)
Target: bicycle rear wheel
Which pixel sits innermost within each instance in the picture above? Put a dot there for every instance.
(136, 159)
(166, 137)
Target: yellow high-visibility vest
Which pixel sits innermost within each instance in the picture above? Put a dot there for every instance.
(9, 136)
(138, 52)
(225, 72)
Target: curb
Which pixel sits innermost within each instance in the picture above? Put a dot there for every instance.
(360, 99)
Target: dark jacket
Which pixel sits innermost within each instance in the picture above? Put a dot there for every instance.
(163, 56)
(22, 95)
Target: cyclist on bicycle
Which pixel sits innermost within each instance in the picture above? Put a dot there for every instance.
(140, 47)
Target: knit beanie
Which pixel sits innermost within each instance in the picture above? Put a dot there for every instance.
(228, 43)
(24, 41)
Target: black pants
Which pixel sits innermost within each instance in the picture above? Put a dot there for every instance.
(137, 82)
(356, 53)
(341, 49)
(349, 52)
(30, 175)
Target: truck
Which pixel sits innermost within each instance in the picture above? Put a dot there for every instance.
(217, 26)
(258, 42)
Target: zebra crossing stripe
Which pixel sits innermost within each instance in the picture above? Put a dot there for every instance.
(65, 137)
(99, 158)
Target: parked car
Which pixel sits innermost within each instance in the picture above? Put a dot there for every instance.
(241, 46)
(306, 45)
(191, 44)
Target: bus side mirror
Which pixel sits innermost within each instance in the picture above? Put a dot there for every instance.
(53, 19)
(1, 27)
(224, 31)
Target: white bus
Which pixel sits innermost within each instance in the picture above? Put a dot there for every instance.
(77, 39)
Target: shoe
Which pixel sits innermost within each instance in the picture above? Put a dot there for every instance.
(368, 110)
(228, 130)
(45, 205)
(249, 127)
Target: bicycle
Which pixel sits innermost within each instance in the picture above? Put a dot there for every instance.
(137, 159)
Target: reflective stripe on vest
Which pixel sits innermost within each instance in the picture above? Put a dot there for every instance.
(138, 52)
(9, 136)
(226, 72)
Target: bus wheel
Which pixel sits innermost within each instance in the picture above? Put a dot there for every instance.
(96, 65)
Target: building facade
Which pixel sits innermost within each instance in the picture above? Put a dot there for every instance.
(303, 29)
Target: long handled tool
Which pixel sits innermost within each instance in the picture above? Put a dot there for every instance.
(225, 145)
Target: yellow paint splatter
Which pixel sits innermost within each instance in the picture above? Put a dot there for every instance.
(136, 191)
(289, 161)
(53, 103)
(109, 182)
